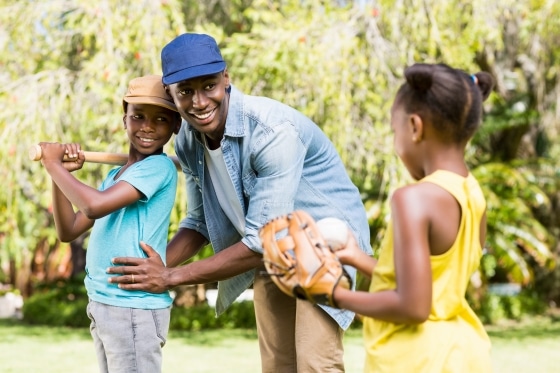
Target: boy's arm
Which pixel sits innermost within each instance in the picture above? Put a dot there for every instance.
(69, 224)
(91, 202)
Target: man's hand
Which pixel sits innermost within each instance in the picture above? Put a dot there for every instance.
(148, 274)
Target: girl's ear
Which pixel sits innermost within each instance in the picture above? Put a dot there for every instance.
(124, 120)
(416, 127)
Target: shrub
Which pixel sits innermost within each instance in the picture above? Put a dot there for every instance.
(62, 303)
(238, 315)
(493, 308)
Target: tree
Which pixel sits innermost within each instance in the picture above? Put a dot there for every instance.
(339, 63)
(63, 78)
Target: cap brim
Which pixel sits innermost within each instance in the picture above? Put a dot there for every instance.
(151, 101)
(194, 72)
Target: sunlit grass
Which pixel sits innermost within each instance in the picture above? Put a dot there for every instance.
(530, 346)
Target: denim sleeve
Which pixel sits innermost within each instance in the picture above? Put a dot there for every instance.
(195, 212)
(277, 159)
(185, 148)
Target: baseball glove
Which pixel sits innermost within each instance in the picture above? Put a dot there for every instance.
(299, 262)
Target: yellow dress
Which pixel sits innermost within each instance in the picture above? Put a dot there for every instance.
(452, 339)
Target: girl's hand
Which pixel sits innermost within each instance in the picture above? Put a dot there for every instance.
(349, 253)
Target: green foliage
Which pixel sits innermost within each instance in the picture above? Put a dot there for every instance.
(493, 308)
(63, 78)
(239, 315)
(58, 304)
(64, 303)
(67, 63)
(515, 238)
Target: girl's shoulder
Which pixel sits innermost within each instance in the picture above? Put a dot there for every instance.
(422, 198)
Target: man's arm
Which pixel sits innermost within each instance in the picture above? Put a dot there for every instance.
(184, 245)
(229, 262)
(151, 274)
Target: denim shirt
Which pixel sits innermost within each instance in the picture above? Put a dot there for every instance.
(279, 161)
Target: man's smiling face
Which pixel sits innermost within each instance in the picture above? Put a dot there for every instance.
(203, 102)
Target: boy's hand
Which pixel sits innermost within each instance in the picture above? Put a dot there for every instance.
(69, 156)
(75, 158)
(52, 152)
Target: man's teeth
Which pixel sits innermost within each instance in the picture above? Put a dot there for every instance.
(203, 116)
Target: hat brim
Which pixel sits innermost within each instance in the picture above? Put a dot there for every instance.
(151, 101)
(194, 72)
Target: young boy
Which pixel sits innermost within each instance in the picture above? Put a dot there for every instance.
(132, 204)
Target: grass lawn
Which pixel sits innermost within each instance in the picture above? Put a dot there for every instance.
(531, 346)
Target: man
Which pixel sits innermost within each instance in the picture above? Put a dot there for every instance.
(246, 161)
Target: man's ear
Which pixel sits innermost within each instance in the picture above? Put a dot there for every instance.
(226, 78)
(417, 127)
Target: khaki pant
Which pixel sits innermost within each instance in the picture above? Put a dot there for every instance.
(295, 336)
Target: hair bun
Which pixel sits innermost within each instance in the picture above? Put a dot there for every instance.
(420, 76)
(485, 83)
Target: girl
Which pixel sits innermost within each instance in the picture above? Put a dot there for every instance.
(416, 316)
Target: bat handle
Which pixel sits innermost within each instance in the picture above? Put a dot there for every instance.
(35, 152)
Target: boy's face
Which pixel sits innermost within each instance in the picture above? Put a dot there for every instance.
(203, 102)
(149, 127)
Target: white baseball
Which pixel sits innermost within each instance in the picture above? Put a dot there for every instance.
(334, 232)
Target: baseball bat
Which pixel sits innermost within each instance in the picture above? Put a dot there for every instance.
(117, 159)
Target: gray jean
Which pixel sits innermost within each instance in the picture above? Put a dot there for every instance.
(128, 340)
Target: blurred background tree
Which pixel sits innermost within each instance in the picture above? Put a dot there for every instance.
(66, 65)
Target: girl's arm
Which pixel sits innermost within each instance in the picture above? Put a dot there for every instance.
(410, 301)
(352, 255)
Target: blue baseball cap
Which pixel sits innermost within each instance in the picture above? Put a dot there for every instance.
(190, 56)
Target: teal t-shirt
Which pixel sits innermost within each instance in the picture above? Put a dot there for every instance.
(119, 233)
